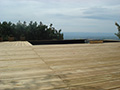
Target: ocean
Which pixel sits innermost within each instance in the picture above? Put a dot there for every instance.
(89, 35)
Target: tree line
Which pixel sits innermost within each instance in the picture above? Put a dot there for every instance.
(32, 31)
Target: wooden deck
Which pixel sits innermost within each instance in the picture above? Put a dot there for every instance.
(59, 67)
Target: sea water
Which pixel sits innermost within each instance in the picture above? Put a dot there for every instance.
(89, 35)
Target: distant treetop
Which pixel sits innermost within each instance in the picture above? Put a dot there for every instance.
(118, 26)
(32, 31)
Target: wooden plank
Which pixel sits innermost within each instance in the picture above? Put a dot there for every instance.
(95, 41)
(59, 67)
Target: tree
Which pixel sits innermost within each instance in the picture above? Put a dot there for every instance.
(0, 29)
(118, 34)
(32, 31)
(5, 29)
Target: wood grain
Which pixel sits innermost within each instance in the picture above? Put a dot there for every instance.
(59, 67)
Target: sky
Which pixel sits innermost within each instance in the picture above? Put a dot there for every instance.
(68, 15)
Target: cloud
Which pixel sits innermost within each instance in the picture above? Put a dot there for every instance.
(66, 14)
(102, 13)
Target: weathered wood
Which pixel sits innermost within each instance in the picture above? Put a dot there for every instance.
(95, 41)
(59, 67)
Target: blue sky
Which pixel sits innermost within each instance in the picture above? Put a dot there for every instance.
(68, 15)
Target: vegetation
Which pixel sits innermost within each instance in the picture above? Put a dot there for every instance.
(32, 31)
(118, 34)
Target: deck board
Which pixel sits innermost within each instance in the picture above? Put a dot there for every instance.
(59, 67)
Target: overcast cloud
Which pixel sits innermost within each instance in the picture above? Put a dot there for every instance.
(68, 15)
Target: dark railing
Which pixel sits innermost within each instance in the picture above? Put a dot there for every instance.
(43, 42)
